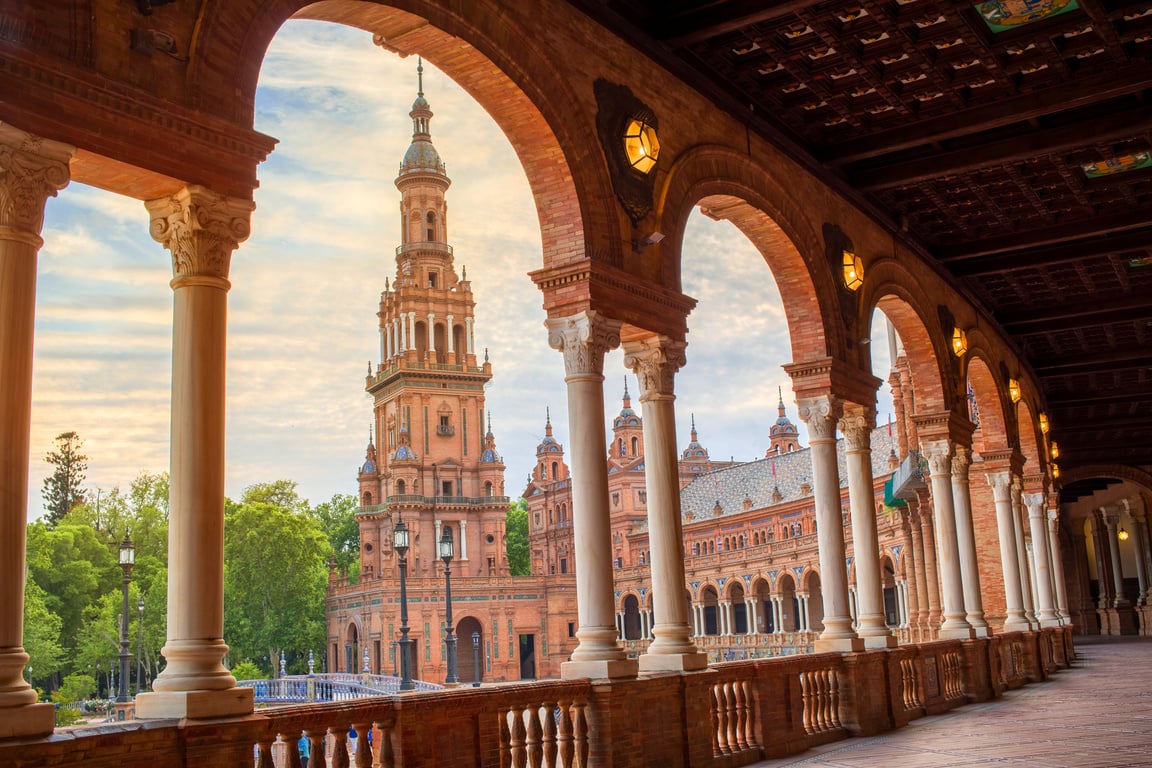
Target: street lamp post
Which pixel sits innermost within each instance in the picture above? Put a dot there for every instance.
(447, 550)
(400, 544)
(127, 560)
(476, 658)
(140, 645)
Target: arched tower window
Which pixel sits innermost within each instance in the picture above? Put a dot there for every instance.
(431, 226)
(367, 499)
(488, 488)
(554, 468)
(620, 447)
(400, 487)
(635, 446)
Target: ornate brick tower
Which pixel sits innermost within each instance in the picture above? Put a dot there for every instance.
(433, 463)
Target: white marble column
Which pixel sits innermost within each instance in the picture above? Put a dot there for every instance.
(1014, 621)
(955, 625)
(31, 170)
(751, 610)
(805, 618)
(432, 336)
(583, 339)
(1055, 552)
(449, 320)
(902, 603)
(777, 615)
(468, 339)
(1111, 522)
(463, 539)
(1037, 519)
(1140, 536)
(655, 362)
(821, 414)
(411, 330)
(1018, 515)
(966, 540)
(201, 229)
(856, 426)
(403, 320)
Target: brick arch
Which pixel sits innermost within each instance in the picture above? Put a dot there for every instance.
(931, 382)
(758, 201)
(732, 584)
(1031, 439)
(471, 42)
(992, 402)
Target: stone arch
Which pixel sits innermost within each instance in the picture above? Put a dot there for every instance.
(630, 606)
(761, 591)
(466, 661)
(933, 385)
(1133, 475)
(516, 84)
(992, 425)
(1032, 442)
(756, 198)
(814, 587)
(709, 600)
(790, 604)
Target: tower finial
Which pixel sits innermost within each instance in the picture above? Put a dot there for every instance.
(625, 386)
(489, 422)
(693, 427)
(419, 76)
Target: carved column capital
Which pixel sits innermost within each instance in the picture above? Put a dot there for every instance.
(1001, 483)
(1111, 516)
(939, 456)
(583, 338)
(32, 170)
(1035, 504)
(655, 361)
(961, 461)
(820, 414)
(856, 424)
(200, 228)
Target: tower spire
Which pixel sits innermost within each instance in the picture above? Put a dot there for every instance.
(419, 76)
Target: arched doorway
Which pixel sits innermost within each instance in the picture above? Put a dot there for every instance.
(765, 618)
(789, 605)
(709, 600)
(631, 618)
(815, 603)
(739, 610)
(470, 654)
(351, 648)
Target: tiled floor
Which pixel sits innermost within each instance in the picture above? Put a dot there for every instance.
(1098, 714)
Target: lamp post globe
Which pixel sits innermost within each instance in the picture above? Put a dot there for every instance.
(127, 560)
(140, 645)
(447, 552)
(400, 543)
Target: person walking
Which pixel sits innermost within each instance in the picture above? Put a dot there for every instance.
(304, 747)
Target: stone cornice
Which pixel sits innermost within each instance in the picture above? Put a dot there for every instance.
(59, 101)
(811, 378)
(570, 287)
(944, 425)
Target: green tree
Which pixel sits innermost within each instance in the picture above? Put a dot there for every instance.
(516, 536)
(275, 576)
(74, 568)
(246, 670)
(63, 488)
(75, 688)
(41, 634)
(337, 519)
(278, 493)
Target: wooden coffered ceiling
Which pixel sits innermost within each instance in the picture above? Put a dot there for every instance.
(976, 143)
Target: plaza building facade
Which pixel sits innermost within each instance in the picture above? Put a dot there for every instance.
(975, 172)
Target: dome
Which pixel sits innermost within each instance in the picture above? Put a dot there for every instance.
(489, 457)
(421, 156)
(404, 453)
(368, 468)
(421, 104)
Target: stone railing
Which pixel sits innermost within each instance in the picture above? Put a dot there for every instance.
(729, 715)
(339, 686)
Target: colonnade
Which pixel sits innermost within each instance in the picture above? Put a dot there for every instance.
(398, 335)
(202, 228)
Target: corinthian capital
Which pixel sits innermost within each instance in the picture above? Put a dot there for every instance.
(32, 170)
(856, 425)
(583, 338)
(939, 455)
(655, 361)
(200, 228)
(1035, 504)
(820, 414)
(961, 460)
(1001, 483)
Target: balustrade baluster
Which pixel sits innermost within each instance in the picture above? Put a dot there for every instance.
(564, 745)
(720, 721)
(339, 747)
(291, 751)
(363, 746)
(532, 736)
(806, 700)
(264, 755)
(579, 736)
(548, 733)
(515, 719)
(733, 717)
(316, 741)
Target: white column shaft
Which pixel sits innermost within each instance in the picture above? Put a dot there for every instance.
(1038, 521)
(448, 320)
(955, 623)
(869, 613)
(966, 541)
(1010, 563)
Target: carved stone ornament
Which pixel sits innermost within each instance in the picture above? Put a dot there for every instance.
(820, 414)
(857, 429)
(1035, 504)
(583, 338)
(31, 170)
(655, 362)
(961, 460)
(1001, 483)
(939, 455)
(200, 228)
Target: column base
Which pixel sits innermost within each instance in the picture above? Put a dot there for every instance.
(603, 669)
(194, 705)
(838, 645)
(1016, 624)
(957, 633)
(881, 641)
(30, 720)
(982, 631)
(673, 662)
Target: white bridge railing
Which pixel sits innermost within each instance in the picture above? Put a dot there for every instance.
(340, 686)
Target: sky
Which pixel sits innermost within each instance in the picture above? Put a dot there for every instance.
(302, 326)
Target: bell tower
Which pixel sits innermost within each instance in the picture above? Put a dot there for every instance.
(435, 465)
